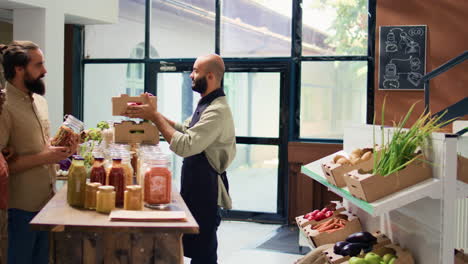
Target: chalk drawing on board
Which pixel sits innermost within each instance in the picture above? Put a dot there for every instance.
(402, 57)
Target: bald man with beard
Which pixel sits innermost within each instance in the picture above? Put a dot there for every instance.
(207, 142)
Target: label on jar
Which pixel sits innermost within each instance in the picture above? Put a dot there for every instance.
(158, 187)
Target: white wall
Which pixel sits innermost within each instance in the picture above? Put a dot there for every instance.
(42, 21)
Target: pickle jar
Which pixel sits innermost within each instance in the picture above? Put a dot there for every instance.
(117, 179)
(98, 172)
(157, 182)
(105, 199)
(133, 198)
(77, 183)
(91, 193)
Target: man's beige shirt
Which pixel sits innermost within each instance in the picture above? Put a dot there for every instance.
(213, 134)
(24, 126)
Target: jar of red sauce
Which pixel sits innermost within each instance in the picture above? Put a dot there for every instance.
(98, 172)
(117, 179)
(157, 182)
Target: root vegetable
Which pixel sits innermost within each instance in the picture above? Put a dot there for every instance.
(357, 152)
(343, 161)
(366, 156)
(355, 161)
(337, 157)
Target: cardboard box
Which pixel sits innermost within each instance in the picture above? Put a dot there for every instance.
(130, 132)
(334, 173)
(317, 239)
(462, 169)
(370, 187)
(333, 258)
(120, 103)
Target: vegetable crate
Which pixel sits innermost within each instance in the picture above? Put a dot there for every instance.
(462, 169)
(120, 103)
(334, 173)
(317, 238)
(333, 258)
(131, 132)
(370, 187)
(403, 255)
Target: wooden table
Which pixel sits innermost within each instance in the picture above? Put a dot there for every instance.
(85, 236)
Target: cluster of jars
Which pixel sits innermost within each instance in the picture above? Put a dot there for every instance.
(111, 180)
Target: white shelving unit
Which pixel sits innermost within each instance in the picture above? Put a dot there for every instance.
(421, 217)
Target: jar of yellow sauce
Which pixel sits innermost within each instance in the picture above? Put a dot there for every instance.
(133, 198)
(77, 183)
(105, 199)
(90, 196)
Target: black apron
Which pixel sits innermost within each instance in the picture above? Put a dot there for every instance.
(199, 189)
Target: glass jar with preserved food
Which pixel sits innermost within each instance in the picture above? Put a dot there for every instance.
(133, 198)
(127, 166)
(157, 182)
(98, 172)
(105, 199)
(77, 183)
(91, 192)
(117, 179)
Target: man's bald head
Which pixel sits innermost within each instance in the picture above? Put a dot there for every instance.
(213, 63)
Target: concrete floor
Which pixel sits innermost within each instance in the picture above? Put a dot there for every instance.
(238, 242)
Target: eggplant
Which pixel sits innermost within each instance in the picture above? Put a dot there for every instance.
(362, 237)
(351, 249)
(339, 247)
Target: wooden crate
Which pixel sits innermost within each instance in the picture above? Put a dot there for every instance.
(370, 187)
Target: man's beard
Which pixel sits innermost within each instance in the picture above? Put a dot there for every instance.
(34, 85)
(200, 85)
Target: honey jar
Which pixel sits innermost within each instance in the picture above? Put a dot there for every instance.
(133, 198)
(105, 199)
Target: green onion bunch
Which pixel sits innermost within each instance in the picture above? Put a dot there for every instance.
(404, 146)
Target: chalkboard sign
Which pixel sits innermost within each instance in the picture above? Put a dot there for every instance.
(402, 61)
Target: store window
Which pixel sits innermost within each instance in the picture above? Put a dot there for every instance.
(183, 28)
(248, 93)
(334, 27)
(333, 95)
(118, 40)
(264, 24)
(334, 67)
(101, 82)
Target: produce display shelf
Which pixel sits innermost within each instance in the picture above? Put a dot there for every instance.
(462, 190)
(394, 201)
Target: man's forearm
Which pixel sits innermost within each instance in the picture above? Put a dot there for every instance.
(171, 123)
(19, 164)
(164, 125)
